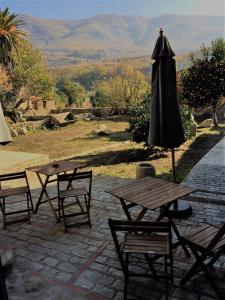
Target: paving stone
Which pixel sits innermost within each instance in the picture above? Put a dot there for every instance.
(84, 283)
(76, 266)
(99, 267)
(50, 261)
(67, 267)
(104, 291)
(63, 276)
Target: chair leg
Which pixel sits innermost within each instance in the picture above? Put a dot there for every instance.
(171, 267)
(193, 270)
(207, 273)
(59, 208)
(63, 213)
(31, 201)
(3, 212)
(28, 207)
(87, 202)
(166, 279)
(126, 277)
(216, 257)
(154, 274)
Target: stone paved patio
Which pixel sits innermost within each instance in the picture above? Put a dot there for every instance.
(82, 264)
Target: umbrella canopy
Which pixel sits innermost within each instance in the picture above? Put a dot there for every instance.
(5, 136)
(165, 124)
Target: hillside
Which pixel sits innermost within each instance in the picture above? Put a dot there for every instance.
(108, 36)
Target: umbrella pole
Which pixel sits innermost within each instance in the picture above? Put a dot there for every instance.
(174, 175)
(173, 165)
(182, 209)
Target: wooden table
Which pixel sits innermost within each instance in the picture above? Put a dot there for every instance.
(49, 170)
(150, 193)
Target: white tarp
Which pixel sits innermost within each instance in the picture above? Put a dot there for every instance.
(5, 136)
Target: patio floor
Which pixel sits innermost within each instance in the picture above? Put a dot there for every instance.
(82, 264)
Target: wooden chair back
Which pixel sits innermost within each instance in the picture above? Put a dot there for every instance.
(137, 227)
(75, 176)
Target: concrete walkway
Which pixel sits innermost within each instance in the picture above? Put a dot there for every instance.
(209, 173)
(12, 161)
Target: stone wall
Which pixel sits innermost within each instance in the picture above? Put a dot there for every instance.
(97, 112)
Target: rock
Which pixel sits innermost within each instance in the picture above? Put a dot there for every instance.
(23, 120)
(13, 132)
(85, 116)
(22, 131)
(192, 118)
(104, 132)
(208, 123)
(6, 255)
(33, 284)
(102, 127)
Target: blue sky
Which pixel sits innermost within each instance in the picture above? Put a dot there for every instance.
(77, 9)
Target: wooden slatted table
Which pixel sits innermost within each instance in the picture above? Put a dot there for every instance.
(49, 170)
(150, 193)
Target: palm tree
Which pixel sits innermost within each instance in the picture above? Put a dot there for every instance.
(10, 35)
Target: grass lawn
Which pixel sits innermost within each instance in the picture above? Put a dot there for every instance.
(115, 155)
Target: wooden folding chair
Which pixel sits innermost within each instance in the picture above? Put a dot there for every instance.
(7, 196)
(79, 193)
(207, 245)
(150, 239)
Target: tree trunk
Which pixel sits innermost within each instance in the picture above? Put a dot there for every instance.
(215, 120)
(12, 115)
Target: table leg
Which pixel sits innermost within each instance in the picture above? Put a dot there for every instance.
(177, 233)
(43, 185)
(44, 192)
(125, 209)
(141, 214)
(163, 213)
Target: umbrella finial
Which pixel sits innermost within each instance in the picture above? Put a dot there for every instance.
(161, 31)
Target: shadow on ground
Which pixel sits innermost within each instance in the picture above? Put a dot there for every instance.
(200, 147)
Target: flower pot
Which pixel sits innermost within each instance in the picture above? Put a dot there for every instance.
(144, 170)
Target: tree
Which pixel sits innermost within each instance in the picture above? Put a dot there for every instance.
(203, 84)
(28, 77)
(121, 91)
(74, 91)
(10, 36)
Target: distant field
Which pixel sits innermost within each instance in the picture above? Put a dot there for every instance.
(115, 155)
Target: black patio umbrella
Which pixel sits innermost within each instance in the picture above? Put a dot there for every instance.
(166, 128)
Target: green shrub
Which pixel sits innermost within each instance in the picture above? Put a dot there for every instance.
(140, 116)
(139, 120)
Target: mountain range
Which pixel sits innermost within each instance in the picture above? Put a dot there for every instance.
(111, 36)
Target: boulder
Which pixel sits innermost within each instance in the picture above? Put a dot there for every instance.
(86, 116)
(104, 132)
(60, 120)
(208, 123)
(13, 132)
(22, 131)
